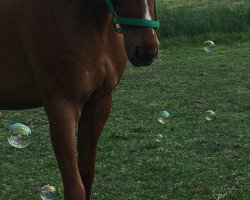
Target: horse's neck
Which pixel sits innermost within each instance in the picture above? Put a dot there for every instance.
(87, 13)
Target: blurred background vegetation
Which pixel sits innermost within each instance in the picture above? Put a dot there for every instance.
(194, 17)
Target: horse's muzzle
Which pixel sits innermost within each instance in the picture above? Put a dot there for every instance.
(143, 55)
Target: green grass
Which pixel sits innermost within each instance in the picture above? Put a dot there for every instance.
(207, 3)
(196, 159)
(192, 17)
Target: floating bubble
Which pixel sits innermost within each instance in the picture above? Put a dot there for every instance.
(19, 135)
(48, 192)
(209, 46)
(210, 115)
(164, 117)
(158, 137)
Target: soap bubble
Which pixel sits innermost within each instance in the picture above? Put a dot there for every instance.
(19, 135)
(48, 192)
(210, 115)
(164, 117)
(209, 46)
(158, 137)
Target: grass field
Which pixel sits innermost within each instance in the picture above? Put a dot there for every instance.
(196, 159)
(206, 3)
(192, 17)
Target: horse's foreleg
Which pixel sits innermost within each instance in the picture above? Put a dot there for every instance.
(62, 119)
(90, 127)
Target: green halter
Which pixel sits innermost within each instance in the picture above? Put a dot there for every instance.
(131, 21)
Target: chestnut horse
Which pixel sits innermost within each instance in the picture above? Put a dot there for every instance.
(67, 56)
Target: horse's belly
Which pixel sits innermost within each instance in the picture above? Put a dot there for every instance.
(18, 88)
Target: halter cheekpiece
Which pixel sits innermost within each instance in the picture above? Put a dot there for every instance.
(131, 21)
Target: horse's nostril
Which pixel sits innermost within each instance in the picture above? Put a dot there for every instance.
(144, 55)
(156, 52)
(136, 51)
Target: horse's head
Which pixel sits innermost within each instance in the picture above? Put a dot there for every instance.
(136, 20)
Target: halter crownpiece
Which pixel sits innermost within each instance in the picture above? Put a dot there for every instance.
(131, 21)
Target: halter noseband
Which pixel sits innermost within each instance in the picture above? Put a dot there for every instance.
(131, 21)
